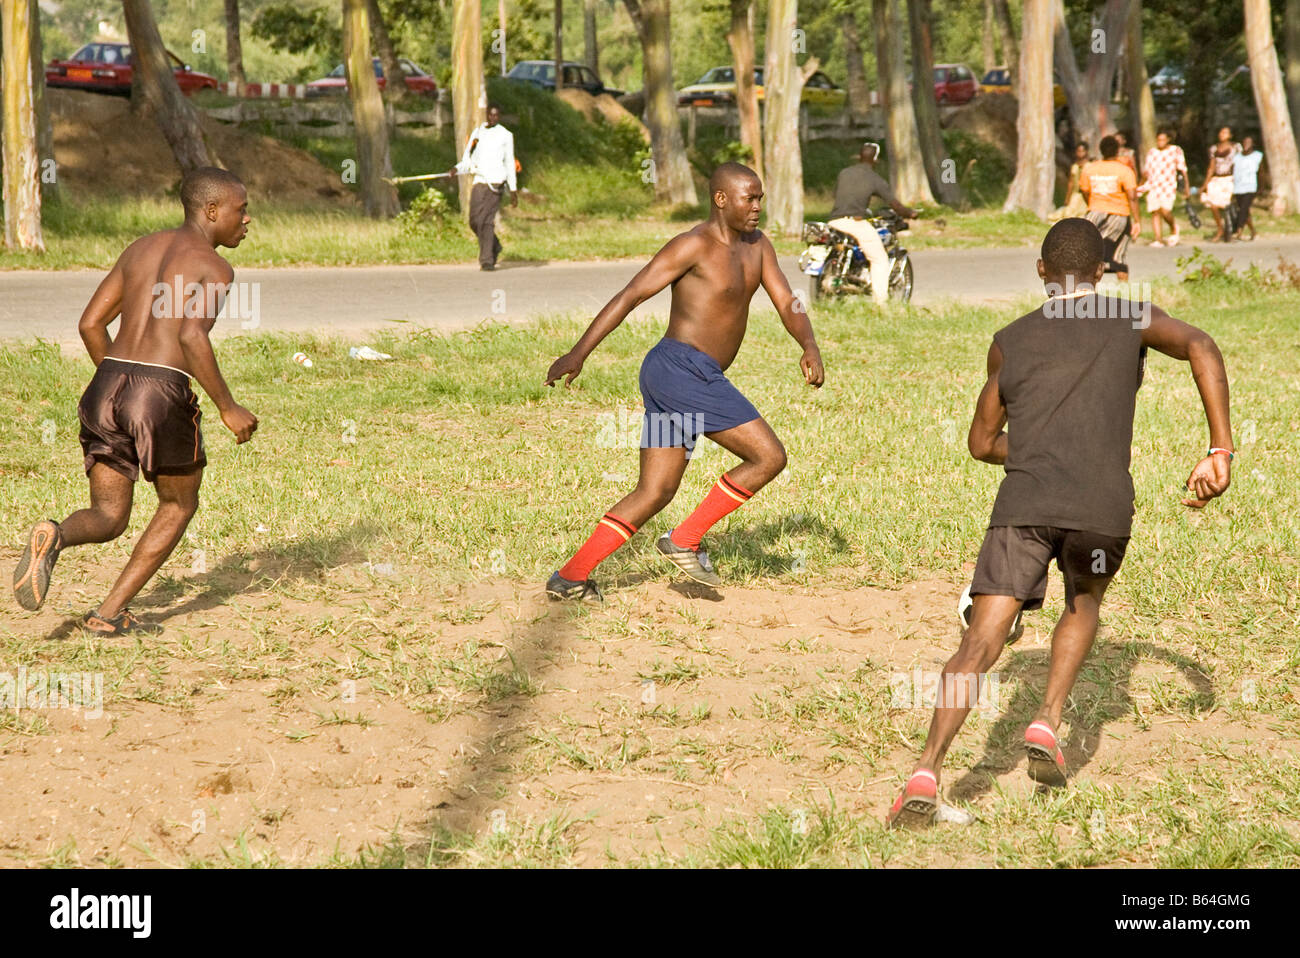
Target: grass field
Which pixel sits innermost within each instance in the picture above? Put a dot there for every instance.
(359, 667)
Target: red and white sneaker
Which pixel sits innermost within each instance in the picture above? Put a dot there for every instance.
(1046, 763)
(915, 808)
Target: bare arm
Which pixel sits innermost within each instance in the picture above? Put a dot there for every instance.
(201, 361)
(793, 315)
(1212, 475)
(1136, 215)
(103, 308)
(987, 441)
(667, 266)
(906, 212)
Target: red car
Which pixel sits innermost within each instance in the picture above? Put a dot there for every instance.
(106, 68)
(954, 83)
(336, 84)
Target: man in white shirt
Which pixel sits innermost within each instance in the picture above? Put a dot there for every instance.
(490, 158)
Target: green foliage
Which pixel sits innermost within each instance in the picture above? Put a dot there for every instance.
(706, 160)
(290, 28)
(429, 215)
(982, 171)
(544, 124)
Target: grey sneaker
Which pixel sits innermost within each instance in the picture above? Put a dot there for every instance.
(32, 575)
(694, 562)
(558, 587)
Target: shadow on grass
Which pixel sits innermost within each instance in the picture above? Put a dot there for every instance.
(1101, 695)
(753, 543)
(284, 562)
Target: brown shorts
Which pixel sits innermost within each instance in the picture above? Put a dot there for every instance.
(140, 418)
(1014, 560)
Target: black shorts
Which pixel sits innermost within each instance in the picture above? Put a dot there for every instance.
(141, 418)
(1014, 560)
(1243, 203)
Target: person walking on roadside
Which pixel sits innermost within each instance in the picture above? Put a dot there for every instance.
(1162, 165)
(490, 158)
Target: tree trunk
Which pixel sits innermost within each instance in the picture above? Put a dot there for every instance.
(1270, 101)
(672, 172)
(377, 197)
(44, 128)
(394, 78)
(1036, 153)
(855, 83)
(906, 168)
(1010, 54)
(22, 169)
(1141, 105)
(234, 49)
(1291, 27)
(154, 89)
(1088, 93)
(783, 81)
(559, 45)
(468, 96)
(987, 40)
(589, 35)
(939, 169)
(740, 37)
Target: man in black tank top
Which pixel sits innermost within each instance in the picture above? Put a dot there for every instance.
(1063, 380)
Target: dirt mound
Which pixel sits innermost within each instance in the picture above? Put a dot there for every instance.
(991, 118)
(603, 105)
(101, 147)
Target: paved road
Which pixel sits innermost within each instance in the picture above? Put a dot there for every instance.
(355, 301)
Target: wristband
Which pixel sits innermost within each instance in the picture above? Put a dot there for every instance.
(1216, 449)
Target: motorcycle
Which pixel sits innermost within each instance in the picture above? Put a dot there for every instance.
(838, 266)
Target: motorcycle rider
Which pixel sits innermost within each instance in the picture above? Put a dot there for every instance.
(855, 188)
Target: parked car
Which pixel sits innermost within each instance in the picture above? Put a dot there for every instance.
(1168, 81)
(541, 73)
(107, 68)
(718, 88)
(998, 80)
(954, 83)
(336, 82)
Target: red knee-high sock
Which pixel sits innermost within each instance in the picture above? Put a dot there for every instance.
(611, 532)
(725, 497)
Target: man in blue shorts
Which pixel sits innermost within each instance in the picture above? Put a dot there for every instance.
(714, 270)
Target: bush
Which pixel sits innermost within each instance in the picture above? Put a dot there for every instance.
(982, 171)
(429, 215)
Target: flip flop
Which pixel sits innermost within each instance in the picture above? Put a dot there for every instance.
(916, 807)
(1046, 762)
(124, 623)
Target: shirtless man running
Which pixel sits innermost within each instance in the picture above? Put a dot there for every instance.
(139, 413)
(714, 270)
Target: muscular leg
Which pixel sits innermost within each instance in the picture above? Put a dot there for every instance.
(661, 473)
(761, 451)
(991, 619)
(109, 512)
(1071, 641)
(178, 499)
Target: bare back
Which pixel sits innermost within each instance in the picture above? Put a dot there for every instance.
(160, 279)
(710, 300)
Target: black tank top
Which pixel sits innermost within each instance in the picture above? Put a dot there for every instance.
(1069, 380)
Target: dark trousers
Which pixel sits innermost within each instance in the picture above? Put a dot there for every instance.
(483, 205)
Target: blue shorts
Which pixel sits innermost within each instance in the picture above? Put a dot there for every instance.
(685, 394)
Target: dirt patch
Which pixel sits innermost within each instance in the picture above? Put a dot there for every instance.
(101, 147)
(990, 118)
(604, 105)
(263, 720)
